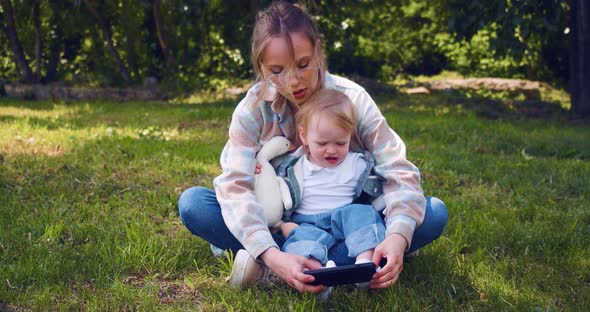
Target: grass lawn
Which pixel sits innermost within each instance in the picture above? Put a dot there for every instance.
(88, 217)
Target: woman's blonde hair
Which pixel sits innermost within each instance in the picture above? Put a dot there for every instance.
(278, 20)
(335, 103)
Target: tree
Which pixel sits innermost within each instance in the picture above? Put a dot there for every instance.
(131, 32)
(580, 57)
(520, 25)
(108, 37)
(520, 30)
(55, 45)
(14, 42)
(36, 8)
(380, 39)
(162, 38)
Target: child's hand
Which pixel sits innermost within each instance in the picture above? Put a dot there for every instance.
(257, 169)
(392, 248)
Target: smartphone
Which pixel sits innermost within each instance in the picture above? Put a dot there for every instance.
(346, 274)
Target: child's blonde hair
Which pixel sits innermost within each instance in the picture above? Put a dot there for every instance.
(278, 20)
(334, 102)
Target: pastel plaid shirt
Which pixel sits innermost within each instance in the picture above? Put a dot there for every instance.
(255, 122)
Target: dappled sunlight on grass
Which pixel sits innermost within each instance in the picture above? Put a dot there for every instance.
(30, 113)
(39, 139)
(494, 283)
(88, 214)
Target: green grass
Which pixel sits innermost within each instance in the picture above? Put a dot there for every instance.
(88, 217)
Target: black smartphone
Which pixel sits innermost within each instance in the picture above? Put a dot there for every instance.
(346, 274)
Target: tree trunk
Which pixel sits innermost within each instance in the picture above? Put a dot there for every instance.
(580, 58)
(109, 39)
(209, 44)
(38, 40)
(55, 44)
(168, 57)
(130, 40)
(17, 50)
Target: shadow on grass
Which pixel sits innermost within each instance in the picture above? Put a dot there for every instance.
(512, 105)
(494, 281)
(507, 105)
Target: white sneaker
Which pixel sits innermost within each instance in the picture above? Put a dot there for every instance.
(364, 285)
(325, 295)
(217, 252)
(247, 271)
(412, 254)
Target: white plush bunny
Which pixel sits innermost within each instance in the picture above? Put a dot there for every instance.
(272, 192)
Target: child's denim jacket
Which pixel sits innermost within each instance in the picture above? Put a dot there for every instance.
(368, 191)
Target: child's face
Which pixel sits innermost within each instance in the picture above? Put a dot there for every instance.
(327, 142)
(294, 75)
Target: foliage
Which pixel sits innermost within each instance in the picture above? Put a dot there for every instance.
(88, 216)
(381, 39)
(522, 38)
(476, 56)
(208, 40)
(204, 48)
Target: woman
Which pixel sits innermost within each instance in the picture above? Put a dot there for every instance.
(290, 65)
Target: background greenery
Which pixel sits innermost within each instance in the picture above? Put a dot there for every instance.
(88, 190)
(88, 216)
(192, 45)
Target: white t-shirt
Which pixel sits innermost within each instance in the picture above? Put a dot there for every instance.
(328, 188)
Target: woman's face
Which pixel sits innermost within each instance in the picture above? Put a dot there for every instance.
(294, 75)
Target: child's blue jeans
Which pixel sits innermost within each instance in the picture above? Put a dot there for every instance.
(200, 212)
(360, 227)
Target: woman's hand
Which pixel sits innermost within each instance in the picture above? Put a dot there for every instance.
(290, 268)
(392, 248)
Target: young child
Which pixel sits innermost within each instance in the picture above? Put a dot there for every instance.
(329, 180)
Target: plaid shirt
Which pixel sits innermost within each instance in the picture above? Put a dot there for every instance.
(253, 124)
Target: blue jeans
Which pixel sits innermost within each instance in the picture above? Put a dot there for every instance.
(360, 227)
(201, 214)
